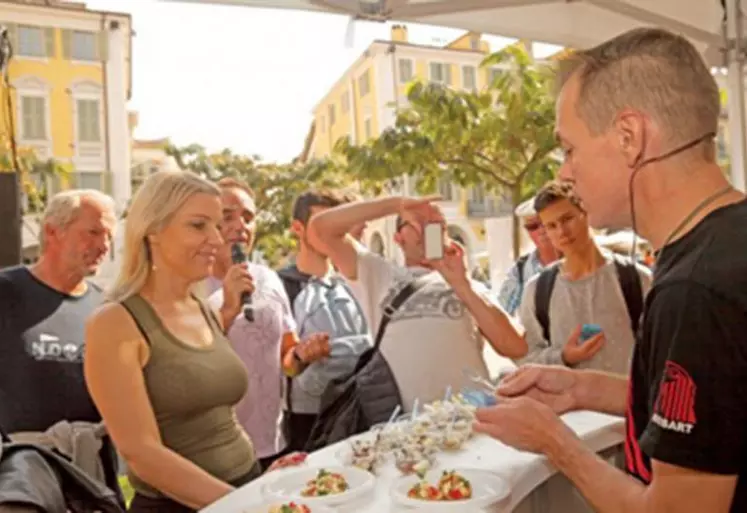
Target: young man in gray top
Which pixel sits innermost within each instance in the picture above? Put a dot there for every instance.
(322, 303)
(588, 288)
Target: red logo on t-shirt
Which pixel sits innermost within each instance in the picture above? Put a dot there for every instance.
(635, 460)
(674, 408)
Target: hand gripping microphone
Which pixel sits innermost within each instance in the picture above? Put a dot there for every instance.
(239, 257)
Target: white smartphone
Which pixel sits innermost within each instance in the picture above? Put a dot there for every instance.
(433, 236)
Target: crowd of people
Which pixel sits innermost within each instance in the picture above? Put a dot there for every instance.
(207, 370)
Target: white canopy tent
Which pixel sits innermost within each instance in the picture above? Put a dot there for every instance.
(572, 23)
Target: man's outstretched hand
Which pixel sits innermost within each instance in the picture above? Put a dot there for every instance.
(522, 423)
(554, 386)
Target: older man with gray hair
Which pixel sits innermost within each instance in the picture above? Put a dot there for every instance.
(530, 264)
(43, 309)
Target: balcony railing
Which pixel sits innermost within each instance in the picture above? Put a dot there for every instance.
(493, 207)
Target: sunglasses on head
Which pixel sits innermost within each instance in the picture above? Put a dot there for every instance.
(533, 227)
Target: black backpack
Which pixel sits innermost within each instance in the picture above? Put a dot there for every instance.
(630, 283)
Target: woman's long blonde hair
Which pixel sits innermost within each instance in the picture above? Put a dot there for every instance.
(152, 207)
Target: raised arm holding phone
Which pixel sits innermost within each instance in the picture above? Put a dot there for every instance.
(442, 321)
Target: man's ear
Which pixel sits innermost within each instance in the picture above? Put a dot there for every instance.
(630, 131)
(50, 232)
(297, 228)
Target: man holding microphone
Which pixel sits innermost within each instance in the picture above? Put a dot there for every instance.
(256, 316)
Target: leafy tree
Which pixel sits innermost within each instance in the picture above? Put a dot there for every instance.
(501, 137)
(33, 174)
(275, 186)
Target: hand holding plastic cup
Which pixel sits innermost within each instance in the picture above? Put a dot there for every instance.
(478, 398)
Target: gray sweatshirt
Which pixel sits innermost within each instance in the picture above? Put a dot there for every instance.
(328, 306)
(595, 299)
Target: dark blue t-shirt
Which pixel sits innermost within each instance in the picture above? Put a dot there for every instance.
(41, 353)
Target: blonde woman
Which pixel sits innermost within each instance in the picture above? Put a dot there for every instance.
(157, 363)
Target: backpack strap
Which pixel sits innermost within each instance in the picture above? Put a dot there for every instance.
(542, 294)
(293, 283)
(400, 299)
(630, 283)
(520, 263)
(388, 314)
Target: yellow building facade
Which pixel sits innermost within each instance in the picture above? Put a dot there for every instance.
(69, 83)
(364, 101)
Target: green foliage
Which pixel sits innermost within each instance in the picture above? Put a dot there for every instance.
(275, 186)
(501, 137)
(33, 173)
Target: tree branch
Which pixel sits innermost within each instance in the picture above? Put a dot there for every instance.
(497, 163)
(482, 170)
(536, 157)
(485, 157)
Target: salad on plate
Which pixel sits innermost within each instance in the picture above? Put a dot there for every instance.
(325, 483)
(287, 507)
(290, 507)
(451, 487)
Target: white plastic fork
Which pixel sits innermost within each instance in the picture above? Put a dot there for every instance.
(476, 378)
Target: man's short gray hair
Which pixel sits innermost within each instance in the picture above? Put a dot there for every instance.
(649, 70)
(64, 207)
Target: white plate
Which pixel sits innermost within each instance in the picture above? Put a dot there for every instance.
(265, 507)
(288, 485)
(487, 488)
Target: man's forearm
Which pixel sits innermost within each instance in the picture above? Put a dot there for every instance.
(228, 315)
(602, 392)
(338, 221)
(608, 489)
(493, 322)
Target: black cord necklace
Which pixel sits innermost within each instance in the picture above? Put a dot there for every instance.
(697, 210)
(631, 191)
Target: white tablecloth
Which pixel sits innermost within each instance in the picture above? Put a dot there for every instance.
(523, 471)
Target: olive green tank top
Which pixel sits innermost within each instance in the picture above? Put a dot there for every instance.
(193, 392)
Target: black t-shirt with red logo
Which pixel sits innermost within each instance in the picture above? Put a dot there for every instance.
(688, 387)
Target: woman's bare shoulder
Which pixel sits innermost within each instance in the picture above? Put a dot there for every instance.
(112, 321)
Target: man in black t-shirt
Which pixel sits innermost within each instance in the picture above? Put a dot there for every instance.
(637, 116)
(43, 310)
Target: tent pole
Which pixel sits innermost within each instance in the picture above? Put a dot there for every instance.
(736, 94)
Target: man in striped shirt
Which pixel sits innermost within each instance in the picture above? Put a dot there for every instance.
(530, 264)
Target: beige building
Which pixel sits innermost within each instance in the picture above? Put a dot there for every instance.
(148, 155)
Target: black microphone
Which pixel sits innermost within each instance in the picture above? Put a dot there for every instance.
(239, 257)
